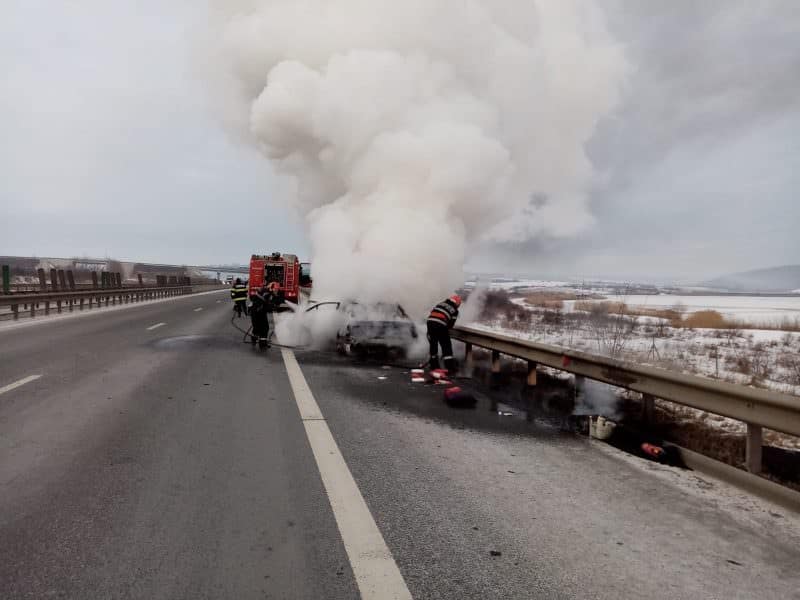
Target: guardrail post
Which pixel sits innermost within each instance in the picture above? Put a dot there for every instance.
(495, 362)
(531, 380)
(648, 408)
(81, 302)
(15, 310)
(495, 376)
(47, 307)
(469, 360)
(755, 442)
(6, 279)
(529, 393)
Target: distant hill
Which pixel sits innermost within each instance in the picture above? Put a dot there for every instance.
(775, 279)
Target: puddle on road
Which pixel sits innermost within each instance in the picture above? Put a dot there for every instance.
(193, 342)
(505, 406)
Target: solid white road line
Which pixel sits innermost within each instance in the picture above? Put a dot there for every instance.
(156, 326)
(20, 383)
(198, 309)
(376, 573)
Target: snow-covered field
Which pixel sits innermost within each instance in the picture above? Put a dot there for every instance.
(763, 358)
(762, 310)
(515, 284)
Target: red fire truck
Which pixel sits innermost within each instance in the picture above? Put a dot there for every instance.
(286, 269)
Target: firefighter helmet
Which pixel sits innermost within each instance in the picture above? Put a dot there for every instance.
(455, 299)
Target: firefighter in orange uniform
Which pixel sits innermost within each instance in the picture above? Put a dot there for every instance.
(440, 320)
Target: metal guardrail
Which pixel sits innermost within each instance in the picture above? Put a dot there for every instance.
(755, 407)
(79, 299)
(31, 288)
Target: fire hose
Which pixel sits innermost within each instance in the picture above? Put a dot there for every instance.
(247, 336)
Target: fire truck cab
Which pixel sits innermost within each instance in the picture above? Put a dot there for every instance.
(282, 268)
(305, 276)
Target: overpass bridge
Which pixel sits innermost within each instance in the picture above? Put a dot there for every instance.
(241, 269)
(148, 453)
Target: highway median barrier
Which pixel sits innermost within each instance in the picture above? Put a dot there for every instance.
(42, 302)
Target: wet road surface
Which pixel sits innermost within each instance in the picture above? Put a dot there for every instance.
(173, 462)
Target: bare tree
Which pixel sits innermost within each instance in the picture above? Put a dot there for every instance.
(612, 325)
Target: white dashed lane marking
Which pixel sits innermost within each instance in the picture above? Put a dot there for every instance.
(18, 383)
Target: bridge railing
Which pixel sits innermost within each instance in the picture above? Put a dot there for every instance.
(757, 408)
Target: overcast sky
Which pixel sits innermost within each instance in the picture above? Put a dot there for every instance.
(109, 146)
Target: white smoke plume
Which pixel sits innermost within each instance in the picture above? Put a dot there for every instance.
(595, 398)
(413, 129)
(474, 303)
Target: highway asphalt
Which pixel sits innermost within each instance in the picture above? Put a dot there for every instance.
(149, 453)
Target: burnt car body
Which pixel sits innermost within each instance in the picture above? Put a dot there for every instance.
(380, 329)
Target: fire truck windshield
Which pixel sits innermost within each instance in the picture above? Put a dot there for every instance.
(305, 274)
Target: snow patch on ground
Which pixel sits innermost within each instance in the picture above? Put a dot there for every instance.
(764, 310)
(767, 359)
(516, 284)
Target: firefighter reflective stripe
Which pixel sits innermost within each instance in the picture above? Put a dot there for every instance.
(239, 293)
(445, 313)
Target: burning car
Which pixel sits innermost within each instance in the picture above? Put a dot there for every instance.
(380, 329)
